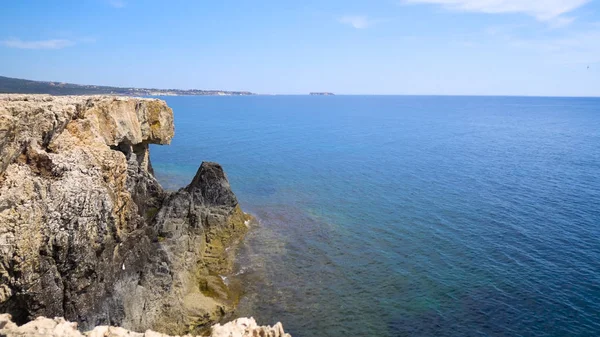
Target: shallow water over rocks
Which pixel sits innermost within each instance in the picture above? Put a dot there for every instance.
(407, 216)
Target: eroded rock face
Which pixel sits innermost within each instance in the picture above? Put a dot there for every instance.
(86, 231)
(58, 327)
(194, 227)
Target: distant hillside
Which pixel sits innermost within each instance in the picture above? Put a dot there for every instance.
(19, 86)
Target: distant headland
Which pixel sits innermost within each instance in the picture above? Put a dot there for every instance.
(21, 86)
(322, 94)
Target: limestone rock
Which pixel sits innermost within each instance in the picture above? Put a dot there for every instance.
(58, 327)
(247, 327)
(211, 187)
(39, 327)
(86, 231)
(196, 225)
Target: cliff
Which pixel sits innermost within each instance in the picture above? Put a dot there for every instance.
(86, 231)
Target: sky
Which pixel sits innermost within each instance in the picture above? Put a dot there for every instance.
(405, 47)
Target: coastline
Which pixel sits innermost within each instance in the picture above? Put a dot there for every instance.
(130, 253)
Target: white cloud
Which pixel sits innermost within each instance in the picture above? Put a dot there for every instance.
(542, 10)
(42, 44)
(357, 21)
(117, 3)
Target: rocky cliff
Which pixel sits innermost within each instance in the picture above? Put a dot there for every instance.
(86, 231)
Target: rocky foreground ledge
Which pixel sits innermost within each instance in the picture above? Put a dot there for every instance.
(87, 232)
(58, 327)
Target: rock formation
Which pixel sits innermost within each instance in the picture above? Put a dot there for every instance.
(86, 231)
(58, 327)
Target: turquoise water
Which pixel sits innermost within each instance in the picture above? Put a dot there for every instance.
(407, 216)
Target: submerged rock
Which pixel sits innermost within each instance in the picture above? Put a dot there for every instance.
(87, 232)
(58, 327)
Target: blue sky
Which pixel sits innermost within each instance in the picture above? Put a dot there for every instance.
(478, 47)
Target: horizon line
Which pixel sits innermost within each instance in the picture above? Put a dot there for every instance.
(308, 93)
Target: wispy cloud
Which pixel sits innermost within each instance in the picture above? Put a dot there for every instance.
(358, 21)
(551, 11)
(117, 3)
(41, 44)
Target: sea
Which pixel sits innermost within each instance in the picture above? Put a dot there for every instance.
(406, 215)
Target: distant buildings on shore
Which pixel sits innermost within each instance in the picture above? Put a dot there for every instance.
(21, 86)
(322, 94)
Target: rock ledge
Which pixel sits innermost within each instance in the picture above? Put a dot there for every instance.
(58, 327)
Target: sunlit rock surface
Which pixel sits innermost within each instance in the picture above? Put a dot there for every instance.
(58, 327)
(86, 231)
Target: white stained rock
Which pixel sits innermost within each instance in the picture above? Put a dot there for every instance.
(40, 327)
(247, 327)
(111, 331)
(58, 327)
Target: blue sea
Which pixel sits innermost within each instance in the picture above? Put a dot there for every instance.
(407, 216)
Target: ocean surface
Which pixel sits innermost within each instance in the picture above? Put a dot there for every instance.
(407, 216)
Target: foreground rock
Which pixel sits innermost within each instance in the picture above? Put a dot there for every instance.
(86, 231)
(58, 327)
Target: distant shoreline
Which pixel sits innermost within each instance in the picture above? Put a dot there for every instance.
(10, 85)
(21, 86)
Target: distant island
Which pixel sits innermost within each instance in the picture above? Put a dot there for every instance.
(21, 86)
(322, 94)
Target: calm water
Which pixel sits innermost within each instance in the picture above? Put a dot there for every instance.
(407, 216)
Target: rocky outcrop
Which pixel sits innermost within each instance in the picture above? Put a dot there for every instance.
(58, 327)
(247, 327)
(86, 231)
